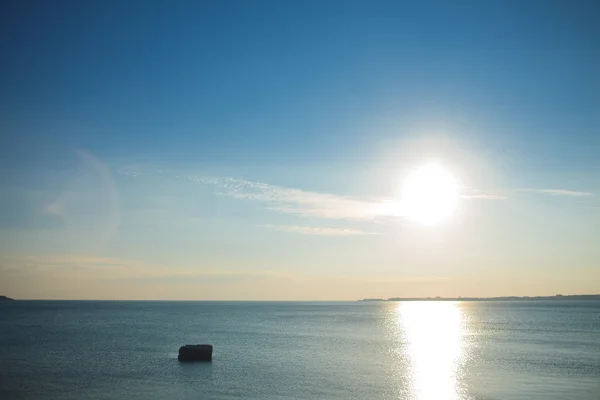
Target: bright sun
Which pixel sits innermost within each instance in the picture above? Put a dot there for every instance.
(430, 194)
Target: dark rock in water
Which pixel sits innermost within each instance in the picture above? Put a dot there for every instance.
(195, 352)
(4, 298)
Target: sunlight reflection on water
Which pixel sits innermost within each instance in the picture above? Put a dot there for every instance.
(432, 333)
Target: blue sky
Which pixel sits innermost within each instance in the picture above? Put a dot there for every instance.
(244, 150)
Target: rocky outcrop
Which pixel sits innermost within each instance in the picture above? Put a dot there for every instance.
(4, 298)
(195, 352)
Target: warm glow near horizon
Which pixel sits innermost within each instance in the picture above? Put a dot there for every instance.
(430, 194)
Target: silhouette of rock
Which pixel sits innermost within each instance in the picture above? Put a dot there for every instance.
(195, 352)
(4, 298)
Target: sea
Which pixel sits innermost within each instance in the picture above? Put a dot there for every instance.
(416, 350)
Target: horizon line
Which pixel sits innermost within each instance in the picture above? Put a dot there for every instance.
(437, 298)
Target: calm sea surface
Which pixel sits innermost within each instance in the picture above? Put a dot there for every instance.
(381, 350)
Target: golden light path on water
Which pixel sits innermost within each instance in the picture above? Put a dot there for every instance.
(433, 338)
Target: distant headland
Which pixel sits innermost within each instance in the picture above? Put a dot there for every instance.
(556, 297)
(4, 298)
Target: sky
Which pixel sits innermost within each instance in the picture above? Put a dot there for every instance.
(235, 150)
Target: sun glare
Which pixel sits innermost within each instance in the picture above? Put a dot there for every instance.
(433, 334)
(430, 194)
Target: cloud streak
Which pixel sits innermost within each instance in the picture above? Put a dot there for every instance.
(303, 203)
(558, 192)
(476, 194)
(116, 269)
(327, 206)
(307, 230)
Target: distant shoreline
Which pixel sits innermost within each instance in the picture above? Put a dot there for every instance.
(505, 298)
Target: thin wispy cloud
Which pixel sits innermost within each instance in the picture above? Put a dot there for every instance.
(61, 264)
(320, 205)
(328, 206)
(478, 194)
(301, 202)
(117, 269)
(495, 195)
(558, 192)
(129, 173)
(308, 230)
